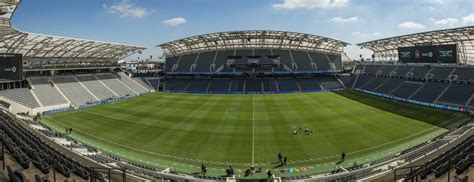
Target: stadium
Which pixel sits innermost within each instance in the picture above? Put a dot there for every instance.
(244, 105)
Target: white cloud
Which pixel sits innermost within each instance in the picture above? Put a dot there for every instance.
(175, 21)
(434, 5)
(360, 34)
(411, 25)
(127, 9)
(310, 4)
(444, 21)
(377, 34)
(468, 19)
(338, 19)
(436, 1)
(365, 35)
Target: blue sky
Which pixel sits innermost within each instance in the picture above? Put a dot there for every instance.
(151, 22)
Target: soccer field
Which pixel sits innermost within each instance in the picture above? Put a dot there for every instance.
(184, 130)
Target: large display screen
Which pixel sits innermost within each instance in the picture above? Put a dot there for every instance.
(428, 54)
(11, 66)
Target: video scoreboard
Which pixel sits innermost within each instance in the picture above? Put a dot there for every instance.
(11, 66)
(428, 54)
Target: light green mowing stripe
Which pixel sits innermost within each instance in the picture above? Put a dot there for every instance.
(182, 131)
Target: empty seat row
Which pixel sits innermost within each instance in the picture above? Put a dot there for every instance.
(28, 149)
(96, 87)
(75, 90)
(46, 92)
(115, 84)
(293, 59)
(241, 85)
(434, 89)
(419, 71)
(21, 96)
(461, 156)
(132, 84)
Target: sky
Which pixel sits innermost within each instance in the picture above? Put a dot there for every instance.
(151, 22)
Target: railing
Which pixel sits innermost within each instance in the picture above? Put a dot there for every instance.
(107, 101)
(273, 92)
(439, 106)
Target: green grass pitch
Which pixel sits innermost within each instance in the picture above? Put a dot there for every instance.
(182, 131)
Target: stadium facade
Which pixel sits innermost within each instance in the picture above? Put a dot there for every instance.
(254, 61)
(387, 49)
(425, 81)
(57, 74)
(84, 71)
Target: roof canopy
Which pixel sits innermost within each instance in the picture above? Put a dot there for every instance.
(252, 39)
(37, 48)
(387, 49)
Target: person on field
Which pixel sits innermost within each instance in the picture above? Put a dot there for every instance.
(295, 131)
(203, 169)
(230, 171)
(247, 173)
(284, 160)
(269, 174)
(280, 157)
(343, 157)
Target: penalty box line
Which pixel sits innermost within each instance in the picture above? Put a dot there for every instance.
(253, 129)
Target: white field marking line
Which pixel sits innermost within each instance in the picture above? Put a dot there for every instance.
(393, 141)
(253, 130)
(243, 119)
(126, 146)
(123, 117)
(140, 111)
(197, 160)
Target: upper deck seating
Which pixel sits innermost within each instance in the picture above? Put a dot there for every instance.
(184, 64)
(321, 60)
(302, 61)
(46, 92)
(204, 61)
